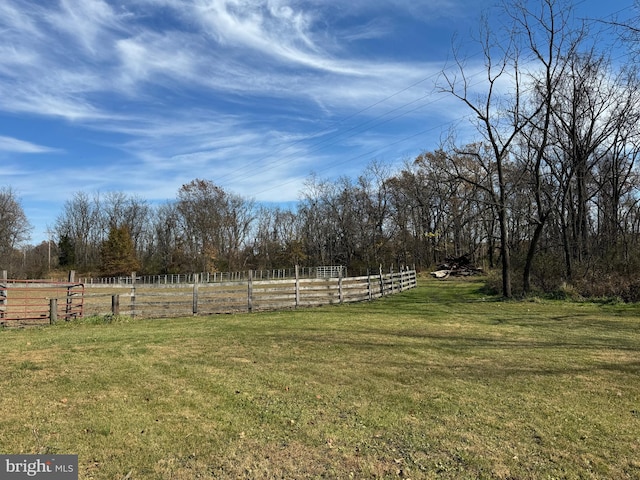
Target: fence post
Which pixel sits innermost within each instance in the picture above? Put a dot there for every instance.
(250, 292)
(297, 272)
(67, 310)
(133, 294)
(115, 305)
(340, 299)
(53, 310)
(195, 299)
(393, 286)
(381, 282)
(3, 294)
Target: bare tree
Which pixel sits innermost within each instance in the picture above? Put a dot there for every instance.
(551, 41)
(595, 124)
(318, 231)
(79, 223)
(277, 239)
(498, 118)
(14, 226)
(628, 30)
(376, 229)
(409, 212)
(521, 72)
(345, 221)
(121, 210)
(461, 193)
(237, 220)
(167, 241)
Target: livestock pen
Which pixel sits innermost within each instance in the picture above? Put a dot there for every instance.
(170, 300)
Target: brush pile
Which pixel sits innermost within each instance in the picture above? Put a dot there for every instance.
(457, 267)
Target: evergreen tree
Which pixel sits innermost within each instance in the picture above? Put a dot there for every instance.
(118, 254)
(66, 255)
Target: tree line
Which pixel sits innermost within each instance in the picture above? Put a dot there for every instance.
(547, 192)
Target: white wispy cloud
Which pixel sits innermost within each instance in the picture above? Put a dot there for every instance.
(253, 94)
(88, 23)
(10, 144)
(85, 50)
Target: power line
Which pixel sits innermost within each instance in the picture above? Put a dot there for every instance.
(357, 157)
(332, 126)
(359, 128)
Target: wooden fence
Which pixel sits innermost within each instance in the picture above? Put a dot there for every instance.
(334, 271)
(171, 300)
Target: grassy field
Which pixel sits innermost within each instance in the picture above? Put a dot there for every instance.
(437, 382)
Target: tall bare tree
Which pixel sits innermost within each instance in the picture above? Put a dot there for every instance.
(550, 40)
(521, 71)
(277, 239)
(498, 117)
(595, 121)
(167, 242)
(118, 209)
(79, 223)
(14, 227)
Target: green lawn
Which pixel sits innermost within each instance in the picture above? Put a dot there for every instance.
(437, 382)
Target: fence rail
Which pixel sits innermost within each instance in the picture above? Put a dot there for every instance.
(332, 271)
(251, 295)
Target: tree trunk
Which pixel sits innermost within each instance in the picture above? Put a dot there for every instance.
(505, 253)
(533, 245)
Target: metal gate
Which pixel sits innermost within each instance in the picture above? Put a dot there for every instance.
(35, 302)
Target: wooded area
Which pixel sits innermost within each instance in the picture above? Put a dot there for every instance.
(548, 192)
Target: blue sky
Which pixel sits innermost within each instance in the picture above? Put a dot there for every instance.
(142, 96)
